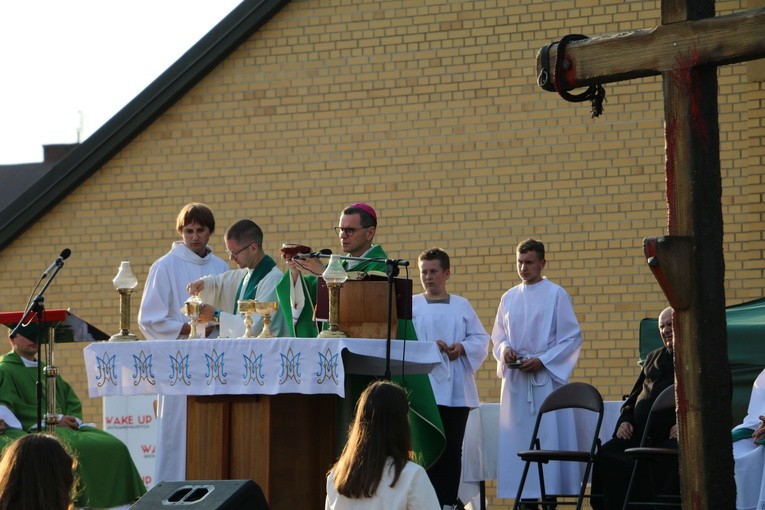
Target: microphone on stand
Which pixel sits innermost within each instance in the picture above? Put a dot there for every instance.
(58, 262)
(313, 254)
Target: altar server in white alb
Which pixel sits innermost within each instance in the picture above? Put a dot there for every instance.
(536, 342)
(160, 318)
(450, 322)
(749, 452)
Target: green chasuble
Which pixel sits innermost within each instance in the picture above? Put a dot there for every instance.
(428, 437)
(106, 474)
(252, 280)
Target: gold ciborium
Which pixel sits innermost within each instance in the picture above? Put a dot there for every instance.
(247, 308)
(191, 308)
(266, 309)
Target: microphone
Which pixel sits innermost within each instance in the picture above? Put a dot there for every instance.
(58, 262)
(313, 254)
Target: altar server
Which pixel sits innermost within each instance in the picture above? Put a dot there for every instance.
(160, 318)
(450, 322)
(164, 293)
(536, 340)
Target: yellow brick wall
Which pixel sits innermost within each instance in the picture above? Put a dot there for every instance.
(68, 357)
(428, 110)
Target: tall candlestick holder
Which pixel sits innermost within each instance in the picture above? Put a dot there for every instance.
(334, 276)
(125, 282)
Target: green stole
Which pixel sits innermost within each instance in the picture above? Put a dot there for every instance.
(305, 326)
(376, 252)
(258, 273)
(739, 434)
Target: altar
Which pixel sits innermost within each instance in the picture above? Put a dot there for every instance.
(260, 409)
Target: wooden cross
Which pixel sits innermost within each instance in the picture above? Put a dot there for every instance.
(685, 50)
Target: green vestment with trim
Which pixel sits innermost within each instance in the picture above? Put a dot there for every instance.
(106, 474)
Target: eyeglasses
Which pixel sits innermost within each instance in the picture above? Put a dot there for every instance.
(237, 252)
(349, 231)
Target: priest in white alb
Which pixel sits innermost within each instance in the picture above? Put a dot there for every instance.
(536, 341)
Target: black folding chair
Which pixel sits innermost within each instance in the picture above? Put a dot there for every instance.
(576, 395)
(649, 456)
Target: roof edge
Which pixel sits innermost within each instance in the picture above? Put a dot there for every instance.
(225, 37)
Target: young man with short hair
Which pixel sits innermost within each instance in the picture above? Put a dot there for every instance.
(536, 341)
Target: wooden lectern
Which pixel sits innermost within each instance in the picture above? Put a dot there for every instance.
(286, 443)
(364, 306)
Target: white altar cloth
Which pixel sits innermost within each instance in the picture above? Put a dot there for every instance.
(230, 366)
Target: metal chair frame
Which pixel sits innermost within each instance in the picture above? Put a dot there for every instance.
(576, 395)
(665, 401)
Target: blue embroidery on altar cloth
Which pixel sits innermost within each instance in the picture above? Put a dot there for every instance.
(179, 369)
(142, 369)
(106, 370)
(327, 367)
(214, 367)
(290, 367)
(253, 369)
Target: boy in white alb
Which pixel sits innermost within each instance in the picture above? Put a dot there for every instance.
(536, 341)
(450, 322)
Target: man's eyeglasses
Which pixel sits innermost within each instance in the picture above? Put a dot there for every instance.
(232, 254)
(349, 231)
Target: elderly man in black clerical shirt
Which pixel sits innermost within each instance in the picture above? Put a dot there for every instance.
(612, 470)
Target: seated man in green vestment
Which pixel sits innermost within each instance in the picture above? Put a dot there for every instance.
(106, 474)
(297, 294)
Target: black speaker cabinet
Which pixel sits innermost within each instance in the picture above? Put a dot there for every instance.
(203, 495)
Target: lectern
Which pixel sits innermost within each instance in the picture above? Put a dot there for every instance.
(364, 306)
(66, 325)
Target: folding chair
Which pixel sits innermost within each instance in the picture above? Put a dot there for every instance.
(644, 453)
(576, 395)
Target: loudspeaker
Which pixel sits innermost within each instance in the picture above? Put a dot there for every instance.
(204, 495)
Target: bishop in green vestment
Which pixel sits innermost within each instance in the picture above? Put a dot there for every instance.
(356, 230)
(106, 473)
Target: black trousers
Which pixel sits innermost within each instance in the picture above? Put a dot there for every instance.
(613, 469)
(445, 473)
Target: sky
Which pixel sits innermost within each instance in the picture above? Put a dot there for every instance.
(68, 66)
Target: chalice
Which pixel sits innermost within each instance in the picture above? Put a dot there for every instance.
(266, 309)
(247, 308)
(191, 308)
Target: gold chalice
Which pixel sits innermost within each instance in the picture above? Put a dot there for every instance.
(247, 308)
(266, 309)
(191, 308)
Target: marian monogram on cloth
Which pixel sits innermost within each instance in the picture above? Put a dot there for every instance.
(215, 367)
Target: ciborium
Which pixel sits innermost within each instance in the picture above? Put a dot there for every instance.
(266, 309)
(192, 308)
(247, 308)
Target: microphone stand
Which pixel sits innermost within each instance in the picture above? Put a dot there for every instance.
(37, 309)
(391, 270)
